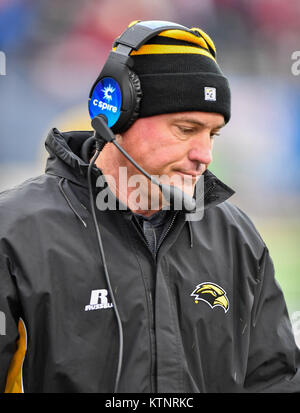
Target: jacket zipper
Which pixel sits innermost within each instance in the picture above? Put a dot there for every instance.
(150, 306)
(166, 233)
(209, 190)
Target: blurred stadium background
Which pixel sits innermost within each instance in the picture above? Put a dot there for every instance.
(55, 49)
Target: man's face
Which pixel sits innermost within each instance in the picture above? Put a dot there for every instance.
(175, 148)
(177, 145)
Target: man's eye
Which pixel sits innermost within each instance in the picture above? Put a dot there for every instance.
(185, 130)
(212, 135)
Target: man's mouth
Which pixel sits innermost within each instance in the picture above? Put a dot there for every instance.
(193, 174)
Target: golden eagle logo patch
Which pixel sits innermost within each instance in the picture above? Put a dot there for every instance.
(212, 294)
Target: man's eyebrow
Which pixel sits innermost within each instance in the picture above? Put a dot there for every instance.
(199, 123)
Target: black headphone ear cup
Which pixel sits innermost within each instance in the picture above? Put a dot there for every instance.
(137, 97)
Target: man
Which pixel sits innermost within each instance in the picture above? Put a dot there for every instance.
(189, 305)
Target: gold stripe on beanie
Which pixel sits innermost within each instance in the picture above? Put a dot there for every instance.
(170, 49)
(149, 49)
(182, 35)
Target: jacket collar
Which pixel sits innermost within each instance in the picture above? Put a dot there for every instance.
(64, 155)
(65, 161)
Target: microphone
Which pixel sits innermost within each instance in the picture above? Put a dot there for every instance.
(170, 192)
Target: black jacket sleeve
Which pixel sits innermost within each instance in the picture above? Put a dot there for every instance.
(9, 312)
(274, 358)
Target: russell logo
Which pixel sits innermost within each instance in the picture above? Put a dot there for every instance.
(106, 99)
(98, 301)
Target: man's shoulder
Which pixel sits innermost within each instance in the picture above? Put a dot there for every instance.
(27, 198)
(234, 213)
(228, 217)
(25, 189)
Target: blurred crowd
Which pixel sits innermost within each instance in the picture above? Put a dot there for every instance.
(55, 50)
(244, 30)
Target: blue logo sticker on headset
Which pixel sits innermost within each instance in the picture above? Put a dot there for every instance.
(106, 99)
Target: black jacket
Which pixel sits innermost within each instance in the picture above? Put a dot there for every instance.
(217, 321)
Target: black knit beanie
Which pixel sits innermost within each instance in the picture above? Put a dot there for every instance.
(179, 72)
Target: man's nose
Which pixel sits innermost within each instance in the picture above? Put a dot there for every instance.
(201, 150)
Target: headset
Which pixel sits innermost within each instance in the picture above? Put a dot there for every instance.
(117, 92)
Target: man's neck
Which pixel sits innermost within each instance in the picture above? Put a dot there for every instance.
(144, 199)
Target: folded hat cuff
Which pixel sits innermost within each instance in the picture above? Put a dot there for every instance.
(182, 92)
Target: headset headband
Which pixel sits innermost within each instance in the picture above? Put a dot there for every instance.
(139, 33)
